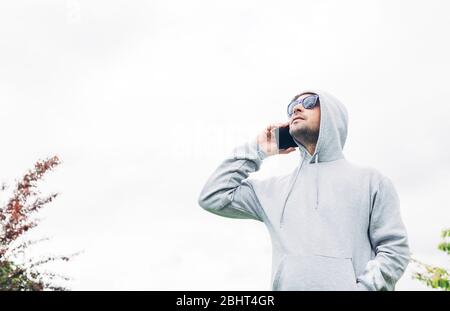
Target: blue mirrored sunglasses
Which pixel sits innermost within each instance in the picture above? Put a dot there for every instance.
(308, 102)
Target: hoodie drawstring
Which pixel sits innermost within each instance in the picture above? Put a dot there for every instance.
(290, 190)
(293, 183)
(317, 181)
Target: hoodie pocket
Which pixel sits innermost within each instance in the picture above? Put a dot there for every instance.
(315, 272)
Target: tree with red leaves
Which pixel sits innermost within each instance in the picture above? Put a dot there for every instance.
(15, 220)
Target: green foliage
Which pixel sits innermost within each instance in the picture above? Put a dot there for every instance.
(16, 219)
(445, 244)
(432, 276)
(15, 278)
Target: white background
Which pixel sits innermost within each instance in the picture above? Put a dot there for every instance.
(143, 99)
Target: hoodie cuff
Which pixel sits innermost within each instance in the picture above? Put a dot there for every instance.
(250, 150)
(261, 154)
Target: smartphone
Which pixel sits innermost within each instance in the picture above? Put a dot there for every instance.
(284, 139)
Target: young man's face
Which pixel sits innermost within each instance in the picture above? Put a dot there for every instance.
(305, 123)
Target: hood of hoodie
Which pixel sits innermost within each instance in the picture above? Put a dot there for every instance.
(330, 143)
(332, 132)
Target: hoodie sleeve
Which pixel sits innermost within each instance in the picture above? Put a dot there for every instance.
(228, 192)
(389, 240)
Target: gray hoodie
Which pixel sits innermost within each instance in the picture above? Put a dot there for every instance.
(333, 225)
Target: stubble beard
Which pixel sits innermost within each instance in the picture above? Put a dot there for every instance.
(305, 135)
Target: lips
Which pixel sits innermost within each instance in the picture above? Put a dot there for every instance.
(297, 118)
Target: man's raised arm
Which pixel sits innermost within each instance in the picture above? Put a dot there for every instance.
(227, 192)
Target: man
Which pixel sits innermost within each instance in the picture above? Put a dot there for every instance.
(333, 225)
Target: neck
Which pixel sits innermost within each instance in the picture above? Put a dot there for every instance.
(311, 148)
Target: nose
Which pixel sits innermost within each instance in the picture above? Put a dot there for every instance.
(298, 107)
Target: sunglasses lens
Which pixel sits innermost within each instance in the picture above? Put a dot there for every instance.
(291, 108)
(309, 102)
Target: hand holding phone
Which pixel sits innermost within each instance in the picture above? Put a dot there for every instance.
(269, 139)
(284, 138)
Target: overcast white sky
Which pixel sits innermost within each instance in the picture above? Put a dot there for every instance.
(143, 99)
